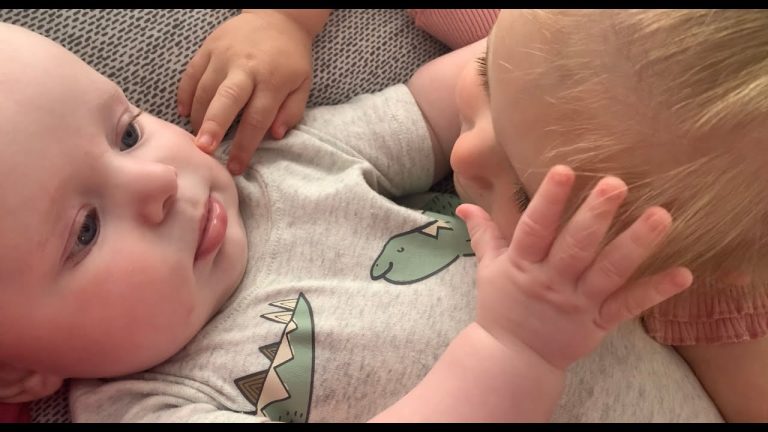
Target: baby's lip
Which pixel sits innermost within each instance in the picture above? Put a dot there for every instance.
(203, 222)
(212, 228)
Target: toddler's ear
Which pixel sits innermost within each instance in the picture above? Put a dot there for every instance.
(32, 387)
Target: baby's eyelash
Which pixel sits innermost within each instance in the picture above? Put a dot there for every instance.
(521, 198)
(482, 71)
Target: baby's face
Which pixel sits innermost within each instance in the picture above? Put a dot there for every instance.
(508, 125)
(120, 239)
(482, 173)
(492, 160)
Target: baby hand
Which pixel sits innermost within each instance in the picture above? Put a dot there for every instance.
(561, 293)
(260, 62)
(18, 385)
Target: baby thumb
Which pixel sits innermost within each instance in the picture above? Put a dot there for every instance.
(485, 235)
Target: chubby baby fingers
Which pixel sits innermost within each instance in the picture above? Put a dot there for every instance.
(34, 386)
(538, 225)
(257, 117)
(12, 393)
(642, 294)
(12, 382)
(577, 244)
(624, 254)
(291, 111)
(483, 232)
(233, 93)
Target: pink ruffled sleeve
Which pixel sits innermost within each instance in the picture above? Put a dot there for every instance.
(455, 27)
(710, 314)
(14, 413)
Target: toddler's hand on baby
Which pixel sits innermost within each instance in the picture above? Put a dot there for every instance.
(258, 62)
(560, 293)
(18, 385)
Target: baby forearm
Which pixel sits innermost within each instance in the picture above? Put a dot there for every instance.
(479, 379)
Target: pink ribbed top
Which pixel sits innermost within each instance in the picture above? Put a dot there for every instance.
(709, 313)
(14, 413)
(455, 27)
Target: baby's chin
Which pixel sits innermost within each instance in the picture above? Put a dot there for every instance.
(236, 263)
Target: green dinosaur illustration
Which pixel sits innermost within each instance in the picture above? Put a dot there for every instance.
(423, 251)
(283, 392)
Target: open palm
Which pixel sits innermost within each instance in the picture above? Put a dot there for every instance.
(560, 293)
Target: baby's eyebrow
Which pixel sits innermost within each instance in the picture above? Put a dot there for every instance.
(116, 95)
(114, 100)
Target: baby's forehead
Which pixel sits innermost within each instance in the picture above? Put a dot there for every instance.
(33, 59)
(54, 110)
(52, 107)
(53, 89)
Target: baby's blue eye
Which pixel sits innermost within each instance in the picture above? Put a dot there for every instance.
(88, 230)
(130, 137)
(85, 238)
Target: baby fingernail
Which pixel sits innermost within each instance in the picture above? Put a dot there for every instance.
(205, 142)
(561, 174)
(682, 278)
(234, 167)
(656, 221)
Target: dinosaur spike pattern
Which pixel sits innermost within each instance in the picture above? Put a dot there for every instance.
(283, 392)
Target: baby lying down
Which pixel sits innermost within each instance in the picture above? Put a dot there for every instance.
(301, 291)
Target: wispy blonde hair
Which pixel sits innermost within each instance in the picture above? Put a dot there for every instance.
(687, 97)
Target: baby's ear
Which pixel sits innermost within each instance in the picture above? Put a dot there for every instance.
(34, 386)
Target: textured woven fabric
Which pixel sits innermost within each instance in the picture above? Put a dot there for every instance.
(53, 409)
(145, 51)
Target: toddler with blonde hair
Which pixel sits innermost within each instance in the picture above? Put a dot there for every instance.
(674, 102)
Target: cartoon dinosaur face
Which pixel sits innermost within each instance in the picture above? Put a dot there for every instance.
(423, 251)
